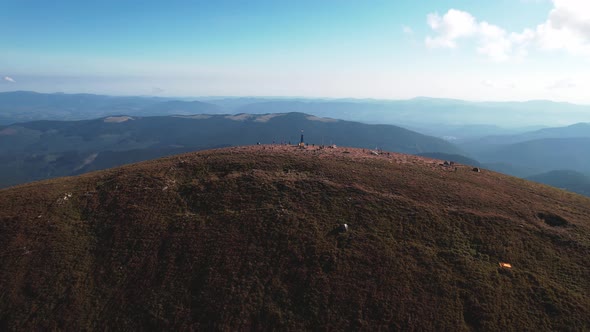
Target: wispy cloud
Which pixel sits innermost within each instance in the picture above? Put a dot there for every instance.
(566, 83)
(156, 90)
(407, 30)
(488, 83)
(9, 79)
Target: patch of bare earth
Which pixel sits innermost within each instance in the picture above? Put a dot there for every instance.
(117, 119)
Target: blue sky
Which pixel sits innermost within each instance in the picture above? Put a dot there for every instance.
(477, 50)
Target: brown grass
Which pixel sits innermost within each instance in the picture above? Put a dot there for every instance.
(248, 238)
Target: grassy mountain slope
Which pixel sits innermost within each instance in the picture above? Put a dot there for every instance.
(248, 238)
(44, 149)
(451, 157)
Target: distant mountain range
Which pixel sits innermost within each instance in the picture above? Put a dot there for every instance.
(489, 142)
(430, 115)
(441, 117)
(44, 149)
(565, 179)
(24, 106)
(545, 154)
(534, 152)
(476, 128)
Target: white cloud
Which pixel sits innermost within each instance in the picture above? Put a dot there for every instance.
(9, 79)
(492, 41)
(488, 83)
(567, 83)
(407, 30)
(454, 25)
(499, 85)
(566, 28)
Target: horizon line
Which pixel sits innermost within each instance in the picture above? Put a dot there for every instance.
(297, 97)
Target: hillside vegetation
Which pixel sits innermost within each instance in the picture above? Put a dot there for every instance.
(451, 157)
(252, 238)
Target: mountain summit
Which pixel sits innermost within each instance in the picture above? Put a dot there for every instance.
(282, 238)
